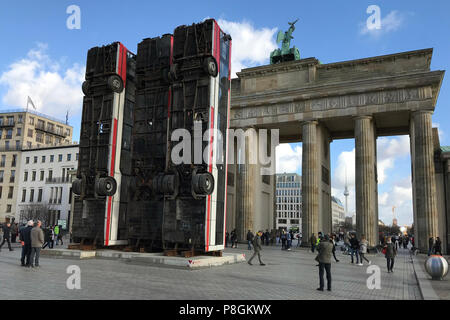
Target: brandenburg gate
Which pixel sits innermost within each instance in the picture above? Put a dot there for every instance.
(317, 103)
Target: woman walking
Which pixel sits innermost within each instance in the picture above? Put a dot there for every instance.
(363, 250)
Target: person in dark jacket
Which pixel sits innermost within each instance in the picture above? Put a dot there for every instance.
(6, 236)
(354, 247)
(333, 241)
(391, 252)
(250, 239)
(430, 245)
(233, 239)
(227, 239)
(257, 248)
(47, 235)
(313, 242)
(325, 249)
(437, 246)
(25, 239)
(14, 228)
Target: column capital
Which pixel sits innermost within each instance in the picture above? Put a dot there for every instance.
(315, 122)
(424, 111)
(363, 117)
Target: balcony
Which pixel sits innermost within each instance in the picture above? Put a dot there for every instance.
(47, 129)
(7, 124)
(58, 180)
(10, 148)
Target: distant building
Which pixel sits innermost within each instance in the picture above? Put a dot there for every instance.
(381, 223)
(45, 182)
(21, 130)
(337, 213)
(289, 203)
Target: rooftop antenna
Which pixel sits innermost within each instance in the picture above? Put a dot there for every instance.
(67, 116)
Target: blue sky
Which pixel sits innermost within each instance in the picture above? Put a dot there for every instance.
(42, 58)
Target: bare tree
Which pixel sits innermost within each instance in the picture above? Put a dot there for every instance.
(42, 212)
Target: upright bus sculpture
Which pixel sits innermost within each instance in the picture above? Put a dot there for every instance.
(104, 170)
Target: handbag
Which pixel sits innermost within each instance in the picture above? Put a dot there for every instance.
(384, 251)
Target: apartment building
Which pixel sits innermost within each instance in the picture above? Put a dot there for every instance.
(337, 213)
(21, 130)
(289, 201)
(45, 182)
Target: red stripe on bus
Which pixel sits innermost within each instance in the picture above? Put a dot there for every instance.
(226, 155)
(211, 149)
(111, 173)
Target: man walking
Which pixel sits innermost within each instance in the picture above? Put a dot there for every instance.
(437, 246)
(56, 232)
(313, 242)
(6, 236)
(430, 245)
(354, 247)
(14, 229)
(325, 250)
(250, 237)
(390, 253)
(37, 241)
(25, 239)
(257, 248)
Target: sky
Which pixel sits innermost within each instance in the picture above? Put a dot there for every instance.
(44, 59)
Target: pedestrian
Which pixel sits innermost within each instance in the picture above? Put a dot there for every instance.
(233, 239)
(437, 246)
(60, 236)
(390, 251)
(250, 237)
(283, 240)
(313, 242)
(47, 237)
(257, 248)
(333, 241)
(56, 233)
(267, 237)
(363, 250)
(288, 241)
(227, 239)
(430, 245)
(6, 236)
(299, 240)
(273, 236)
(14, 231)
(325, 250)
(354, 247)
(25, 239)
(37, 241)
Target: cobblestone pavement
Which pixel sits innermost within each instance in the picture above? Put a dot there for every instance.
(287, 275)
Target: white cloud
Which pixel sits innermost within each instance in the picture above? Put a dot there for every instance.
(53, 88)
(250, 46)
(288, 159)
(388, 150)
(440, 131)
(391, 22)
(400, 197)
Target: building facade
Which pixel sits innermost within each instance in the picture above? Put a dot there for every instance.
(337, 214)
(21, 130)
(288, 201)
(44, 183)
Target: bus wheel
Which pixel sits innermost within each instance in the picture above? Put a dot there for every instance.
(106, 186)
(203, 183)
(85, 87)
(115, 83)
(76, 186)
(210, 66)
(170, 184)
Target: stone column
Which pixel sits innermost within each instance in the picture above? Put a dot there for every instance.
(365, 179)
(310, 181)
(424, 177)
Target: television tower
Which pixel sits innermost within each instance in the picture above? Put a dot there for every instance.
(346, 193)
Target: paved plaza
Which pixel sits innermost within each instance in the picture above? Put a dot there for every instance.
(288, 275)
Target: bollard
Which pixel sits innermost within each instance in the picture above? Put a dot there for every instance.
(437, 267)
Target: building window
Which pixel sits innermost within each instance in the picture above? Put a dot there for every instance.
(30, 133)
(18, 145)
(29, 144)
(52, 157)
(1, 189)
(33, 176)
(69, 157)
(24, 195)
(10, 120)
(12, 178)
(31, 121)
(43, 159)
(31, 195)
(25, 175)
(42, 175)
(6, 145)
(1, 175)
(8, 134)
(1, 131)
(48, 139)
(8, 208)
(35, 159)
(39, 199)
(20, 118)
(10, 192)
(60, 157)
(3, 162)
(50, 174)
(27, 160)
(79, 155)
(14, 160)
(39, 137)
(19, 132)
